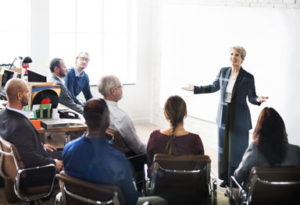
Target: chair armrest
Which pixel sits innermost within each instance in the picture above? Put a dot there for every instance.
(242, 193)
(213, 181)
(18, 179)
(148, 188)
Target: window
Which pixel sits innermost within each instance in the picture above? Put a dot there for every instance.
(14, 30)
(106, 29)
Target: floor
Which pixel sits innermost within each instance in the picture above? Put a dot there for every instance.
(143, 130)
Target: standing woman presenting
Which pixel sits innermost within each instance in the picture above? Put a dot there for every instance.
(233, 118)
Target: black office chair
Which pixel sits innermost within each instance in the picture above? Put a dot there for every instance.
(137, 160)
(17, 177)
(183, 179)
(268, 185)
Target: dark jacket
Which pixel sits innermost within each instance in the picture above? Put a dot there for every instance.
(244, 87)
(18, 130)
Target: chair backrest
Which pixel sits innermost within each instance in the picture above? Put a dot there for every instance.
(181, 179)
(10, 160)
(76, 191)
(280, 185)
(16, 176)
(116, 140)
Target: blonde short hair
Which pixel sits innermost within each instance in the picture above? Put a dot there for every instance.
(240, 50)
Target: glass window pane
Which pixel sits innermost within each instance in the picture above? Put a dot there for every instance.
(92, 43)
(62, 46)
(14, 30)
(62, 16)
(89, 15)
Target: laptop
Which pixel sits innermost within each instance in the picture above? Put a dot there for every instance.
(36, 77)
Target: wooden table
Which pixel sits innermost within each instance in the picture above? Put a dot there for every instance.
(70, 128)
(69, 131)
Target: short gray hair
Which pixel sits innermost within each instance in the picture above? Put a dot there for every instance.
(106, 84)
(240, 50)
(82, 53)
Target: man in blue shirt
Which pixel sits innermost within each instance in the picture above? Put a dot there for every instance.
(77, 80)
(91, 157)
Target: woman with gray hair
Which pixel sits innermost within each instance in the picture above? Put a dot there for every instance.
(233, 118)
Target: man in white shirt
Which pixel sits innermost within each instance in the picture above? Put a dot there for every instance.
(111, 88)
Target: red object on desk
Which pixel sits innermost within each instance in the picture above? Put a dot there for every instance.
(36, 123)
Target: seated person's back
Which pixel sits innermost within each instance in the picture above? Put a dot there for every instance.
(91, 157)
(270, 146)
(175, 140)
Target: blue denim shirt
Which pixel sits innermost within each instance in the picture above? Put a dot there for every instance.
(76, 83)
(94, 160)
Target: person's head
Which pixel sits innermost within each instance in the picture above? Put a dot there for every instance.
(111, 88)
(270, 135)
(96, 115)
(237, 55)
(17, 92)
(175, 110)
(82, 60)
(58, 67)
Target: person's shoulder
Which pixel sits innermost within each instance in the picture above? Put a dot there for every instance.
(74, 142)
(194, 135)
(71, 70)
(54, 79)
(225, 68)
(247, 74)
(155, 133)
(293, 147)
(116, 155)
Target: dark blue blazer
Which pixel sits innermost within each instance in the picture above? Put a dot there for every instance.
(244, 87)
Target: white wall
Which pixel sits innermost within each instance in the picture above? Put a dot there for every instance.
(142, 101)
(285, 102)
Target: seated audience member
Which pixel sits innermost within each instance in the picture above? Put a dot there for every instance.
(111, 88)
(91, 157)
(174, 140)
(16, 128)
(270, 146)
(77, 80)
(59, 70)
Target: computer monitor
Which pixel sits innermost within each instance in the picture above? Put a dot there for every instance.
(35, 77)
(8, 75)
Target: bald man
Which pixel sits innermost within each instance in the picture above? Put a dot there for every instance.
(16, 128)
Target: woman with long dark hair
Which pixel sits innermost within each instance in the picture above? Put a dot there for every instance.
(175, 140)
(270, 146)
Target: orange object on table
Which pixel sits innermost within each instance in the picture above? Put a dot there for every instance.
(36, 123)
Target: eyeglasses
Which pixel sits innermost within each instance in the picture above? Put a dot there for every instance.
(84, 59)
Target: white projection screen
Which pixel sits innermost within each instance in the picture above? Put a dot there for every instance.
(195, 45)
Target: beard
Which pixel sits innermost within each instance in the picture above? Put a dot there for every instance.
(24, 100)
(62, 73)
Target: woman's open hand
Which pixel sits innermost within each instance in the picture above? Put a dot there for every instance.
(189, 88)
(262, 99)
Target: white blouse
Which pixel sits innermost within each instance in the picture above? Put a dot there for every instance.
(229, 88)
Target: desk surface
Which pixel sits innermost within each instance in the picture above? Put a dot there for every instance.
(70, 128)
(62, 125)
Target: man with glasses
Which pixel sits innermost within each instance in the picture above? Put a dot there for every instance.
(77, 80)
